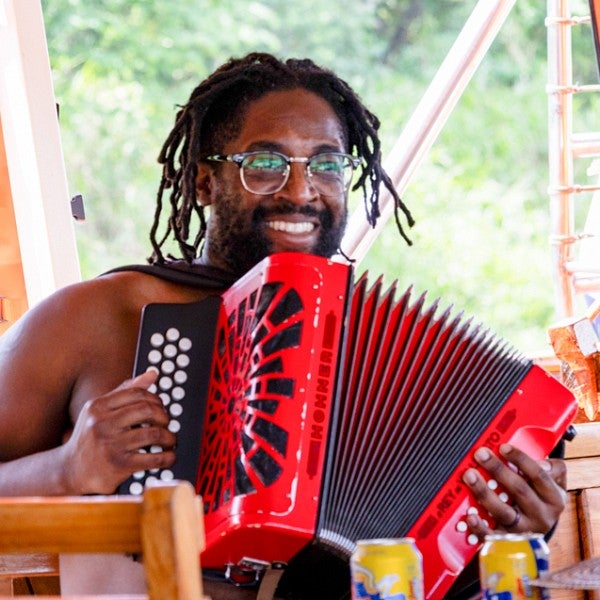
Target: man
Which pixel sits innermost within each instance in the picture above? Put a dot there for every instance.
(69, 412)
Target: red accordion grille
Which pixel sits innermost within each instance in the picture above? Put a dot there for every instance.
(248, 448)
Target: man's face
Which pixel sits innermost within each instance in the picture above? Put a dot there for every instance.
(244, 227)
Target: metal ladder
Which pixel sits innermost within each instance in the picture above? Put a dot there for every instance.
(575, 248)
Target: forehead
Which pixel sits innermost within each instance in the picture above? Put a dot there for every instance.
(287, 119)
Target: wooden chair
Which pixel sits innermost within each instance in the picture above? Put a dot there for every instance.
(29, 575)
(164, 527)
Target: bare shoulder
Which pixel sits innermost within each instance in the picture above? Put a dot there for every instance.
(95, 304)
(97, 323)
(75, 345)
(71, 313)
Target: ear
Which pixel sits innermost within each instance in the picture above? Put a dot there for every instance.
(205, 184)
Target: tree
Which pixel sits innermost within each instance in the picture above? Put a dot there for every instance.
(480, 199)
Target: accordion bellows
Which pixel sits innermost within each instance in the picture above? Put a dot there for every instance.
(313, 411)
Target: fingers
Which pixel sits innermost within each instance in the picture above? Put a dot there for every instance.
(138, 415)
(155, 457)
(139, 384)
(479, 526)
(148, 435)
(541, 474)
(543, 483)
(117, 434)
(144, 380)
(123, 409)
(131, 404)
(558, 472)
(518, 493)
(487, 492)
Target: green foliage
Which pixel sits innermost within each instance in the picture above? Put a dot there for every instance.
(480, 198)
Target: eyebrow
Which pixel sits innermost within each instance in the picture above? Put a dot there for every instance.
(275, 147)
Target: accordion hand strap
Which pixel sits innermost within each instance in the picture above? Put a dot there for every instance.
(269, 582)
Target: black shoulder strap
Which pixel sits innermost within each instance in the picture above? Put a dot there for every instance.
(200, 276)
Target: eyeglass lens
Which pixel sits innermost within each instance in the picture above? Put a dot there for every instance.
(266, 173)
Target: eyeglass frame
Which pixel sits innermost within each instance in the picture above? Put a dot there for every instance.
(237, 158)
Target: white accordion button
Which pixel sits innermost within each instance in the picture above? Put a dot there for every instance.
(154, 357)
(167, 367)
(136, 488)
(185, 344)
(178, 393)
(462, 527)
(183, 361)
(157, 340)
(172, 334)
(180, 377)
(170, 350)
(176, 409)
(165, 383)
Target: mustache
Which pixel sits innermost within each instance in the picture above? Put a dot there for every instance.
(325, 216)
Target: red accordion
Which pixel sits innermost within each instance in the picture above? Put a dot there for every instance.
(313, 411)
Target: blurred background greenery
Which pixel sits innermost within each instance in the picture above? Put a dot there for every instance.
(480, 199)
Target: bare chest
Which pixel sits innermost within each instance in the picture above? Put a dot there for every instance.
(109, 362)
(111, 341)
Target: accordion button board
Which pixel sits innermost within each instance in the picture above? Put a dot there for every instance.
(312, 411)
(183, 362)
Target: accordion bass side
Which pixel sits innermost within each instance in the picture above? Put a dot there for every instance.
(313, 411)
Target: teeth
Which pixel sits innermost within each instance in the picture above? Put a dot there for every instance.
(291, 227)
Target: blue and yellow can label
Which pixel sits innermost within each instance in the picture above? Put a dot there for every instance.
(509, 562)
(387, 569)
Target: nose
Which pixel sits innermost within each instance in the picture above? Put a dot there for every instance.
(298, 188)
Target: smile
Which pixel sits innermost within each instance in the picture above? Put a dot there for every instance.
(288, 227)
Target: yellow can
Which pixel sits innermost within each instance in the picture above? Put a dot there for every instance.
(507, 564)
(387, 569)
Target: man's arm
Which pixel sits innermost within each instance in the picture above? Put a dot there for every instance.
(52, 373)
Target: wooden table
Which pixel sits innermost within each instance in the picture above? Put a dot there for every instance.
(577, 536)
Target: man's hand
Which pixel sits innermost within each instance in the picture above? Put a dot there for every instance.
(537, 491)
(104, 448)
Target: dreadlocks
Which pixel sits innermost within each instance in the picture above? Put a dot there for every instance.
(214, 115)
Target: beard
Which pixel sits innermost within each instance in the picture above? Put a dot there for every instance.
(241, 242)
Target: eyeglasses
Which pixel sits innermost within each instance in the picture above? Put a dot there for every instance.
(266, 172)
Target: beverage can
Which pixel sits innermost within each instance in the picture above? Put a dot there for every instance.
(508, 562)
(387, 569)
